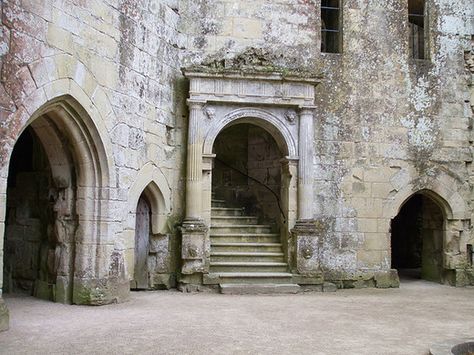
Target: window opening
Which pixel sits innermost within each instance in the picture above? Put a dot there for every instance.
(470, 255)
(416, 23)
(330, 26)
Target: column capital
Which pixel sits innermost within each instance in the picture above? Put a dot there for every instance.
(195, 102)
(307, 109)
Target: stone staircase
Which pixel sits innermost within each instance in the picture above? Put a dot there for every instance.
(246, 257)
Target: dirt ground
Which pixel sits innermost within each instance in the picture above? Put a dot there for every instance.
(368, 321)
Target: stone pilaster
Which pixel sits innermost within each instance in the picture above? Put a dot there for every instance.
(194, 250)
(307, 233)
(194, 161)
(305, 166)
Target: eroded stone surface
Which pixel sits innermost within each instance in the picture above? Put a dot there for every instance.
(385, 127)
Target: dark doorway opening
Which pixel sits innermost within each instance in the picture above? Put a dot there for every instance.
(247, 171)
(417, 239)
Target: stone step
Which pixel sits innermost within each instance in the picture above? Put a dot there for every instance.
(248, 266)
(241, 228)
(247, 278)
(226, 211)
(246, 256)
(244, 237)
(218, 203)
(233, 220)
(246, 247)
(253, 289)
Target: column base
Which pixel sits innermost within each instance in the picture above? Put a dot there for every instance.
(307, 236)
(195, 249)
(4, 316)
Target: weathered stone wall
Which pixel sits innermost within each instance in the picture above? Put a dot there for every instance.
(119, 61)
(386, 125)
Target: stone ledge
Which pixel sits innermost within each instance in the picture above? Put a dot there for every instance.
(256, 289)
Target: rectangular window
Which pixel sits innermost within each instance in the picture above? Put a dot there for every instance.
(470, 255)
(331, 35)
(416, 23)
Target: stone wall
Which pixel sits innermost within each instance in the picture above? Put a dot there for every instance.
(118, 62)
(386, 125)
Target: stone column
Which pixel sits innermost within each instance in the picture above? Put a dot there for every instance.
(307, 233)
(194, 161)
(305, 167)
(195, 251)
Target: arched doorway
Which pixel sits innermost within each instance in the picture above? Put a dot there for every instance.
(247, 172)
(417, 239)
(55, 205)
(41, 219)
(248, 229)
(150, 263)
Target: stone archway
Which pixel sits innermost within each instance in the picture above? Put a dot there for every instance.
(78, 169)
(146, 220)
(436, 228)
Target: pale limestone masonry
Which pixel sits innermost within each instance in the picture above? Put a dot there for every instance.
(127, 97)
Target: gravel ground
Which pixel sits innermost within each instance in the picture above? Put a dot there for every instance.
(369, 321)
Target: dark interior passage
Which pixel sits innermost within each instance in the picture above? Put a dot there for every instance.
(247, 170)
(417, 239)
(40, 219)
(29, 261)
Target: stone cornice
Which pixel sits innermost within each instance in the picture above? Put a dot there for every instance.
(252, 73)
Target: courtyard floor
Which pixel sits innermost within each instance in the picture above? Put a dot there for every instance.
(368, 321)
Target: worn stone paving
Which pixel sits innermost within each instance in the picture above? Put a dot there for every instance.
(365, 321)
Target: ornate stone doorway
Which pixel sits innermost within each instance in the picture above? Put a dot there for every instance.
(283, 107)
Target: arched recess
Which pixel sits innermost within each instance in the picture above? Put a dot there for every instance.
(80, 170)
(150, 185)
(448, 199)
(418, 237)
(264, 119)
(151, 182)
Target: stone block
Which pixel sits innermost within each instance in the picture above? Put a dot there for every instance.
(329, 287)
(4, 316)
(387, 279)
(247, 28)
(376, 241)
(59, 38)
(371, 258)
(368, 225)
